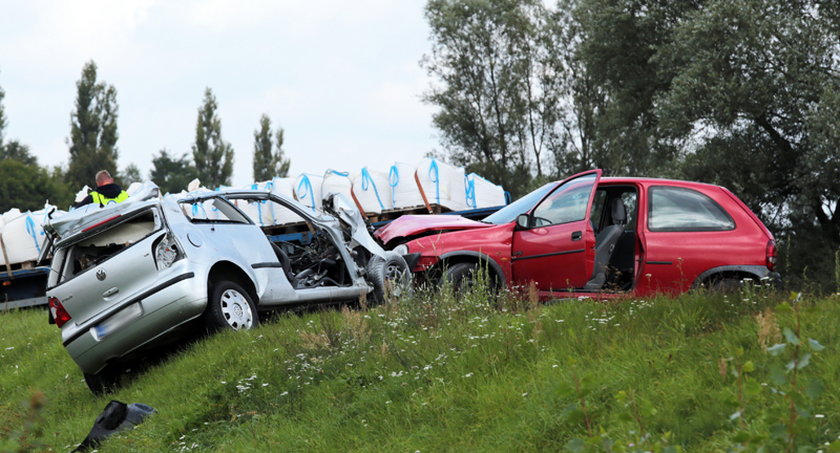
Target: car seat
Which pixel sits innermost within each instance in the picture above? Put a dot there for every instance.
(605, 243)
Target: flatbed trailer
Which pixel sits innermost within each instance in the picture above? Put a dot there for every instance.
(23, 287)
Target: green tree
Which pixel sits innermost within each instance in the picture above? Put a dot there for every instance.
(130, 175)
(212, 155)
(496, 90)
(269, 156)
(3, 121)
(28, 187)
(171, 174)
(18, 151)
(93, 129)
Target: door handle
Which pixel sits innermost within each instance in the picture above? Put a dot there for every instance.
(577, 235)
(110, 292)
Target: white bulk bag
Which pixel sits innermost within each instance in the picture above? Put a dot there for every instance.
(308, 190)
(404, 190)
(442, 184)
(338, 182)
(482, 193)
(372, 192)
(279, 214)
(256, 210)
(23, 235)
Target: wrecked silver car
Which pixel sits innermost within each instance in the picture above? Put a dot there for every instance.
(125, 276)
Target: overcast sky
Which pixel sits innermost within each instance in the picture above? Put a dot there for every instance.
(342, 78)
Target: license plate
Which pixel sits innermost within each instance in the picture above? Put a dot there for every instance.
(112, 324)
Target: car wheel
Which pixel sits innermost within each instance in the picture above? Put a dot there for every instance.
(103, 382)
(464, 276)
(230, 307)
(389, 275)
(726, 286)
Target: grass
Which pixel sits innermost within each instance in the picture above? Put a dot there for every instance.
(436, 372)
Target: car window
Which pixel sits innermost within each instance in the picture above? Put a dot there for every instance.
(105, 243)
(510, 212)
(568, 203)
(598, 209)
(212, 210)
(629, 200)
(681, 209)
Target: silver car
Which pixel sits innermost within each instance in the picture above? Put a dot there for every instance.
(125, 276)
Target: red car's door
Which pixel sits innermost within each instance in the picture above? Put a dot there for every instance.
(555, 250)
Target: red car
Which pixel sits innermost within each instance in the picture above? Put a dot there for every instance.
(589, 234)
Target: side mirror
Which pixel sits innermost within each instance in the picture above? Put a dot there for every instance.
(523, 221)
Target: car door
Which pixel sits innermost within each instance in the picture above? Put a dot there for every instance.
(556, 250)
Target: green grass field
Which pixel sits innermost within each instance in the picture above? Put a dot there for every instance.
(437, 373)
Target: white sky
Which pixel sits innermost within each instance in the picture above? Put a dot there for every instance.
(342, 78)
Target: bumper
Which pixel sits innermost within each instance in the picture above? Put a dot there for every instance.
(137, 321)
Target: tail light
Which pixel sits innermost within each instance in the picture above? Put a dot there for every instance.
(58, 313)
(770, 255)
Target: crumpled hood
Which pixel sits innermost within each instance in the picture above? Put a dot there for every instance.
(412, 225)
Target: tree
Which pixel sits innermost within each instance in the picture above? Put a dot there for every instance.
(171, 174)
(93, 129)
(212, 155)
(2, 117)
(269, 156)
(18, 151)
(28, 187)
(130, 175)
(498, 96)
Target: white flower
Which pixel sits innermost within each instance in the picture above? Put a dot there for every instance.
(468, 375)
(525, 394)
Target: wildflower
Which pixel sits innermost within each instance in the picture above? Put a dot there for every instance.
(468, 375)
(525, 394)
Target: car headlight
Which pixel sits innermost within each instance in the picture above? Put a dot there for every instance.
(167, 251)
(401, 249)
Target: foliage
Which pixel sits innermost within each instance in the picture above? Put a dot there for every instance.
(213, 157)
(3, 121)
(171, 174)
(93, 129)
(29, 186)
(129, 175)
(269, 156)
(19, 152)
(497, 92)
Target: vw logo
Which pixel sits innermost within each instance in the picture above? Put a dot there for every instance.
(100, 274)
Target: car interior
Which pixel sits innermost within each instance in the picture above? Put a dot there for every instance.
(613, 218)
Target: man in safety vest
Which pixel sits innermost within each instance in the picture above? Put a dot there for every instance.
(106, 192)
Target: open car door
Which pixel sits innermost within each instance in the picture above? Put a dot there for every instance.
(553, 245)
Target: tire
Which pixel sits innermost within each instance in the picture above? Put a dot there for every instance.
(461, 276)
(388, 276)
(103, 382)
(464, 276)
(726, 286)
(230, 307)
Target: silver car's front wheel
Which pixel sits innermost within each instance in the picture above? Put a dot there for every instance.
(230, 307)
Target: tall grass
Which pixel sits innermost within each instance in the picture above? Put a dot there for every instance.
(437, 371)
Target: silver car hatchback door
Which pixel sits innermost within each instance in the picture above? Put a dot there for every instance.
(97, 287)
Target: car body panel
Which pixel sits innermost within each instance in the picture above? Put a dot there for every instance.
(410, 225)
(559, 256)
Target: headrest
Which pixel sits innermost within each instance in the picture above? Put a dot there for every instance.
(618, 212)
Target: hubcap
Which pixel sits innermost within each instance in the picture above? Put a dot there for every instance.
(236, 310)
(394, 276)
